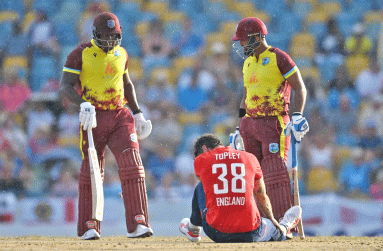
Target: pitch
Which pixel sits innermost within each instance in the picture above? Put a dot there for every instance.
(181, 243)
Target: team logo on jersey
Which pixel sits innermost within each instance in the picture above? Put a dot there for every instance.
(273, 147)
(111, 23)
(265, 61)
(117, 53)
(133, 137)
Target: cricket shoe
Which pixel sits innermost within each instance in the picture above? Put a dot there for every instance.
(291, 219)
(141, 232)
(91, 234)
(193, 233)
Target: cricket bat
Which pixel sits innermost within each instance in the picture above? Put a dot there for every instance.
(96, 181)
(294, 173)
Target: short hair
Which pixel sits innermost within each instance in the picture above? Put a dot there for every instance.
(209, 140)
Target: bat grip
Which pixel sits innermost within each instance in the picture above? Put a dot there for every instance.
(294, 159)
(90, 139)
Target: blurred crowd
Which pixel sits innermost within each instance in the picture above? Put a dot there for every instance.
(188, 80)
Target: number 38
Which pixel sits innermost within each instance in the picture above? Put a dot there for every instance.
(236, 177)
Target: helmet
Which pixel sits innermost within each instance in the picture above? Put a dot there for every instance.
(106, 31)
(249, 26)
(252, 29)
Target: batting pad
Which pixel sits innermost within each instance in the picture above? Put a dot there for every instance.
(132, 176)
(277, 182)
(85, 202)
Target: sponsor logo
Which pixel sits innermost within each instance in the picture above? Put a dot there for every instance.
(273, 147)
(43, 211)
(133, 137)
(117, 53)
(265, 61)
(91, 224)
(140, 219)
(111, 23)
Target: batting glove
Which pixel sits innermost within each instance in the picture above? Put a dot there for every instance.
(298, 126)
(236, 141)
(87, 116)
(143, 127)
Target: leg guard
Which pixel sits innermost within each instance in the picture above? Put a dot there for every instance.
(132, 176)
(277, 182)
(85, 220)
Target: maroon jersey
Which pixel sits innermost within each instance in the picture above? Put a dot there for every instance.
(228, 176)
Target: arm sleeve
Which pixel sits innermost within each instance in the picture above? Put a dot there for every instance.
(286, 65)
(73, 63)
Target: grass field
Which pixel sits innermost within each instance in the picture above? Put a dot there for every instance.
(181, 243)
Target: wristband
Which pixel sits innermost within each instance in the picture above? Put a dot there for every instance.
(137, 111)
(242, 112)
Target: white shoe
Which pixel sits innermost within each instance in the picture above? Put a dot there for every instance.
(193, 234)
(291, 217)
(91, 234)
(141, 232)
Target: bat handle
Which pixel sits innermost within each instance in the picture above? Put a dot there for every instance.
(90, 138)
(294, 151)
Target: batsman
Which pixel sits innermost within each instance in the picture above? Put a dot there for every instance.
(95, 77)
(269, 74)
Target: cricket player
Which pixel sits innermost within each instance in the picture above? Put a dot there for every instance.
(99, 69)
(223, 202)
(269, 75)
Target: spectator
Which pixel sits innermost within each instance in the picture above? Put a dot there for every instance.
(372, 109)
(156, 47)
(160, 90)
(68, 125)
(205, 79)
(315, 96)
(343, 118)
(13, 136)
(160, 172)
(370, 81)
(42, 37)
(66, 186)
(187, 43)
(38, 115)
(14, 92)
(86, 20)
(17, 45)
(13, 174)
(331, 44)
(354, 176)
(192, 97)
(370, 139)
(358, 43)
(320, 151)
(168, 132)
(376, 188)
(184, 166)
(340, 85)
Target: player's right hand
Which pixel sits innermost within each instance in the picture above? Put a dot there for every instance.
(298, 126)
(87, 116)
(143, 127)
(236, 141)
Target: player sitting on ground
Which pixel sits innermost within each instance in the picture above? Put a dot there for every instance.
(223, 202)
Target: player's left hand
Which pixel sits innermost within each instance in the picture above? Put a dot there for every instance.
(143, 127)
(236, 141)
(298, 126)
